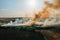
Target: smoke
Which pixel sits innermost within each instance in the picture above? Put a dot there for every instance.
(47, 13)
(50, 13)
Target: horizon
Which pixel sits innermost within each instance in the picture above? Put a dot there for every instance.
(18, 8)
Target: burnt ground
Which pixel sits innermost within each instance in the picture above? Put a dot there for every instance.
(39, 34)
(20, 35)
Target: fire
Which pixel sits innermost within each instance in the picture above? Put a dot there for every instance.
(45, 13)
(41, 15)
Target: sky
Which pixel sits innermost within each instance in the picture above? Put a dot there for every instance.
(18, 8)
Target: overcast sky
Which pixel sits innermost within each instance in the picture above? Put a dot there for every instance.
(12, 8)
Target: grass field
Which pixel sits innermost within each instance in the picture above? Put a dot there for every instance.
(28, 33)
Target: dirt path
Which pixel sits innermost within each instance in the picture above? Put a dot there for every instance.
(50, 35)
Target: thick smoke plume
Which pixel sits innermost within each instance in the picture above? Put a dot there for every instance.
(46, 13)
